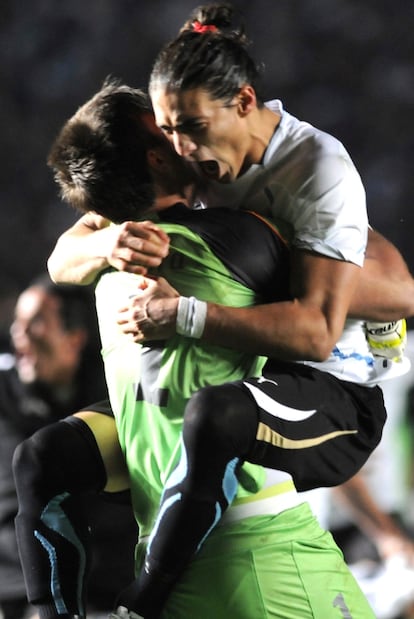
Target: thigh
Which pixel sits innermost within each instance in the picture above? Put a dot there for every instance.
(331, 589)
(275, 567)
(310, 579)
(223, 587)
(310, 424)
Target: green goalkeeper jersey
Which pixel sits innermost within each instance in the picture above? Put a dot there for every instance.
(150, 385)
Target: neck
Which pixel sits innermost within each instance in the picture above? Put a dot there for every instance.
(263, 125)
(165, 200)
(161, 203)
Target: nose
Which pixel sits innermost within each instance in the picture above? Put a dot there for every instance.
(24, 331)
(183, 144)
(19, 334)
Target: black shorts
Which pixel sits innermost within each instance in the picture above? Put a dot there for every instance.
(316, 427)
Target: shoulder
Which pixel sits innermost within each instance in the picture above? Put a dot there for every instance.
(10, 386)
(300, 139)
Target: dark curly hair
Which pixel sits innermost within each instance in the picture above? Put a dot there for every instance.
(209, 53)
(99, 157)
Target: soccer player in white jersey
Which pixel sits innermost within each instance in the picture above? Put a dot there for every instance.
(255, 156)
(106, 131)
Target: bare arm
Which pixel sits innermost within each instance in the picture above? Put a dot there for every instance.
(92, 244)
(305, 328)
(386, 287)
(384, 291)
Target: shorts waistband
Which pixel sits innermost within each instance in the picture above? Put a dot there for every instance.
(269, 501)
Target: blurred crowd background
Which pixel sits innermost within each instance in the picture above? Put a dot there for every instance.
(344, 65)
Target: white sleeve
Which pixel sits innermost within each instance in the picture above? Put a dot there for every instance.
(331, 216)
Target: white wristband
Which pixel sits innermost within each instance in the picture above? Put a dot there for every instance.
(191, 316)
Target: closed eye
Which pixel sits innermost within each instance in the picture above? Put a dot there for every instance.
(187, 128)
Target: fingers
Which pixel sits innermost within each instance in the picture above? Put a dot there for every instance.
(145, 237)
(137, 246)
(143, 285)
(158, 235)
(151, 312)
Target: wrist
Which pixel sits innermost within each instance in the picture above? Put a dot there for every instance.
(163, 312)
(191, 317)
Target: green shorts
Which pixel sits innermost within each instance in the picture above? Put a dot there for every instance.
(263, 567)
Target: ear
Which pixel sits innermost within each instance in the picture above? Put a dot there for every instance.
(247, 101)
(156, 159)
(79, 339)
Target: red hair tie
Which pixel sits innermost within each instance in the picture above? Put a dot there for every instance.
(201, 29)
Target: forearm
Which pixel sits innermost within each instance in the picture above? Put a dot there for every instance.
(385, 290)
(270, 330)
(306, 327)
(75, 260)
(289, 330)
(92, 244)
(381, 300)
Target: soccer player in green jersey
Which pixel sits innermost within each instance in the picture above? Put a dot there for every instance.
(238, 572)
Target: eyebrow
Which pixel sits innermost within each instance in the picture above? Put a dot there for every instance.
(185, 122)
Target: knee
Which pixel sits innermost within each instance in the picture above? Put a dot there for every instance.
(31, 467)
(207, 410)
(217, 414)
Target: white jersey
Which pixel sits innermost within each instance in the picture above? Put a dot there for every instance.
(352, 360)
(308, 184)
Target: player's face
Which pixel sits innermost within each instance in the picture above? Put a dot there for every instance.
(210, 132)
(176, 169)
(45, 351)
